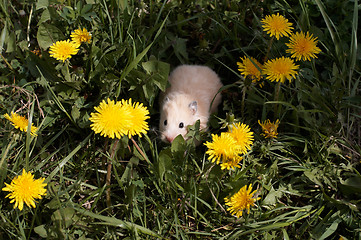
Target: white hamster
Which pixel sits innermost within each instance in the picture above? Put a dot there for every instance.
(189, 97)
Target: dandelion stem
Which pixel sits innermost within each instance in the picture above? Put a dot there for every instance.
(28, 139)
(277, 93)
(67, 72)
(243, 100)
(109, 171)
(268, 49)
(140, 150)
(7, 63)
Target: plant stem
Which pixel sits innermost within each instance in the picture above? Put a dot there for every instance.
(268, 49)
(28, 137)
(109, 171)
(277, 93)
(139, 150)
(7, 63)
(67, 73)
(243, 100)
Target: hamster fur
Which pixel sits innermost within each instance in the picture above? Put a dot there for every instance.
(189, 97)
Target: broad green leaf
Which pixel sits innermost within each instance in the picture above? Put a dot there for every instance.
(133, 64)
(330, 230)
(45, 16)
(64, 217)
(352, 185)
(164, 164)
(123, 4)
(41, 231)
(178, 144)
(313, 176)
(48, 34)
(3, 37)
(42, 4)
(10, 42)
(272, 197)
(159, 72)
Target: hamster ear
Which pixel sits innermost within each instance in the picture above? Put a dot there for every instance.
(193, 107)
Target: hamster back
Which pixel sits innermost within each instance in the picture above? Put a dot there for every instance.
(189, 97)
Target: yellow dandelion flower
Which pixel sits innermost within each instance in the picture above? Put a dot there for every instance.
(243, 136)
(62, 50)
(303, 46)
(79, 36)
(116, 119)
(25, 189)
(139, 115)
(280, 69)
(276, 25)
(221, 147)
(21, 123)
(249, 69)
(240, 201)
(111, 119)
(269, 128)
(226, 148)
(231, 163)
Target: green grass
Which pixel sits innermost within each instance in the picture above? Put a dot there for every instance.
(308, 179)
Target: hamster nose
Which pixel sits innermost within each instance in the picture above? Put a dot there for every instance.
(170, 139)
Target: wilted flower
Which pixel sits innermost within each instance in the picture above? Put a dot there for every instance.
(37, 52)
(269, 128)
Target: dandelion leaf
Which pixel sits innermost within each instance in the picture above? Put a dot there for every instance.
(41, 231)
(178, 144)
(45, 16)
(40, 4)
(164, 164)
(48, 34)
(64, 217)
(351, 185)
(272, 197)
(159, 72)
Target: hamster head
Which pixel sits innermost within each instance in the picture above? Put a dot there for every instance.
(177, 112)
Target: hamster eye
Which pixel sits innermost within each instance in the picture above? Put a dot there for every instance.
(181, 125)
(165, 122)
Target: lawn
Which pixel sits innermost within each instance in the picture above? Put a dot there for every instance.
(81, 151)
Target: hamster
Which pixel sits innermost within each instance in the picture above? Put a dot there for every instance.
(189, 97)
